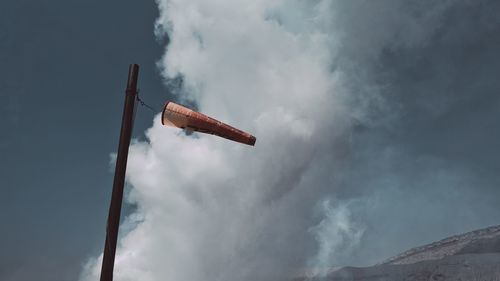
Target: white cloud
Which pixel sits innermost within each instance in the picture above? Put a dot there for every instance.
(293, 74)
(337, 235)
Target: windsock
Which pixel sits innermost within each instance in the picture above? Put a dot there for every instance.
(181, 117)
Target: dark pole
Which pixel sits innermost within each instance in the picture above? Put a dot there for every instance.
(115, 207)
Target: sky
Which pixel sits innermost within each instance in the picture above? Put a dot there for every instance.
(376, 126)
(63, 74)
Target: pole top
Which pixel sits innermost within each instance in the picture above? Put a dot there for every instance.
(133, 73)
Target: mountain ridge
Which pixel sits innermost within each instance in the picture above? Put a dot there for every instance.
(470, 256)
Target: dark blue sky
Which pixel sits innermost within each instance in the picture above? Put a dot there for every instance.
(63, 70)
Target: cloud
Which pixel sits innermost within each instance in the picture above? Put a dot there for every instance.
(337, 235)
(317, 83)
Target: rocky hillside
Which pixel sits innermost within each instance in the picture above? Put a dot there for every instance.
(472, 256)
(451, 246)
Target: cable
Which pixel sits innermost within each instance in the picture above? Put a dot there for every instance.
(153, 110)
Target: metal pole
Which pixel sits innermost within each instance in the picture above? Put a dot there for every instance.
(108, 260)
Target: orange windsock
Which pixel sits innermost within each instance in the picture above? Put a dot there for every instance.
(179, 116)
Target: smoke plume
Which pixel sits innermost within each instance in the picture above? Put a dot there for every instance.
(349, 167)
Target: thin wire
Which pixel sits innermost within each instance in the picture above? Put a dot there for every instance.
(153, 110)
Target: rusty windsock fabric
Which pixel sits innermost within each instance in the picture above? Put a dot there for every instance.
(182, 117)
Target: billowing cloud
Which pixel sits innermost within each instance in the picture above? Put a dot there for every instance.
(332, 179)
